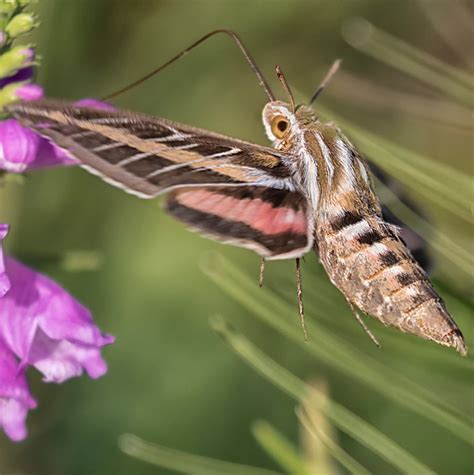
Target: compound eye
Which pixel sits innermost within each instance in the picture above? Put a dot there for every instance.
(280, 126)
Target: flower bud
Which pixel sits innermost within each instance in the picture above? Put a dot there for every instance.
(15, 59)
(20, 24)
(18, 90)
(7, 7)
(23, 91)
(29, 92)
(7, 94)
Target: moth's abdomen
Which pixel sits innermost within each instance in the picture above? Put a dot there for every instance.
(375, 271)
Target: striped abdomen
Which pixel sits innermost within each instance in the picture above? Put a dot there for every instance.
(374, 270)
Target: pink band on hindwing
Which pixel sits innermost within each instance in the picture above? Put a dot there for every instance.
(256, 213)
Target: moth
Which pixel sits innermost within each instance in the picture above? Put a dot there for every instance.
(311, 191)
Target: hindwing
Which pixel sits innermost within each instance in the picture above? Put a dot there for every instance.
(274, 223)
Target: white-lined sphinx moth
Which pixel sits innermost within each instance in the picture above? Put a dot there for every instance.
(311, 190)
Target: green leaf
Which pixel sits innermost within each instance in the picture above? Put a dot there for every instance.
(453, 82)
(339, 454)
(278, 447)
(332, 350)
(182, 461)
(343, 419)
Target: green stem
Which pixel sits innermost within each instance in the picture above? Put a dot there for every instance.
(184, 462)
(348, 422)
(336, 352)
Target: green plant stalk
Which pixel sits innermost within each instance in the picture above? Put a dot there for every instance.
(339, 416)
(337, 353)
(370, 94)
(426, 167)
(420, 71)
(182, 461)
(402, 47)
(279, 448)
(416, 63)
(338, 453)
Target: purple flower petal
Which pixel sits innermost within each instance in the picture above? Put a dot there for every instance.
(22, 149)
(29, 92)
(50, 155)
(94, 104)
(24, 74)
(15, 397)
(18, 146)
(46, 328)
(4, 281)
(28, 53)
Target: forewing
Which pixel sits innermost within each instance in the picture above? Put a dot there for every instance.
(147, 156)
(274, 223)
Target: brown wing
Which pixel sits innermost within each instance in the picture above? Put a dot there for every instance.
(274, 223)
(146, 155)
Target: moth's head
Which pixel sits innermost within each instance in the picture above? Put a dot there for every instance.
(282, 120)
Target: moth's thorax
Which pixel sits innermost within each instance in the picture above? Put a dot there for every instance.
(329, 170)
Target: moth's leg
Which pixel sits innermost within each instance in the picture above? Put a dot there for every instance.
(262, 272)
(299, 293)
(363, 325)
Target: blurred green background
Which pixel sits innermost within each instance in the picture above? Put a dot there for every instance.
(171, 380)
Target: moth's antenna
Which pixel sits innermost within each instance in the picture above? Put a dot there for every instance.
(285, 85)
(230, 33)
(332, 70)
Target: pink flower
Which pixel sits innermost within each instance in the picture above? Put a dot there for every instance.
(94, 104)
(41, 325)
(4, 281)
(29, 92)
(15, 397)
(22, 149)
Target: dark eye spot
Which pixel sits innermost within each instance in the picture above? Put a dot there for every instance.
(282, 125)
